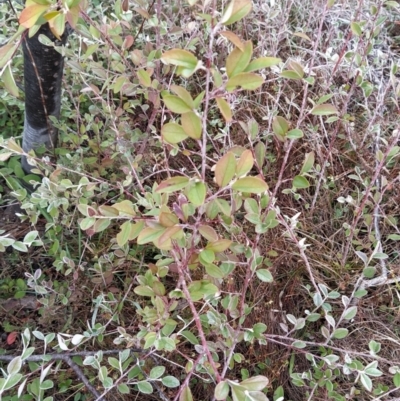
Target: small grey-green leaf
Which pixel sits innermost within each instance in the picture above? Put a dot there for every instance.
(299, 344)
(340, 333)
(265, 275)
(157, 372)
(350, 313)
(145, 387)
(123, 388)
(14, 366)
(170, 381)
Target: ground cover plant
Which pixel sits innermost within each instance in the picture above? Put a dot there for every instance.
(219, 219)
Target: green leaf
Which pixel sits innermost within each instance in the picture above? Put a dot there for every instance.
(191, 124)
(19, 246)
(199, 98)
(107, 211)
(6, 53)
(350, 313)
(324, 110)
(114, 362)
(280, 127)
(374, 347)
(31, 14)
(294, 66)
(233, 38)
(300, 182)
(12, 381)
(245, 163)
(366, 381)
(260, 151)
(373, 372)
(150, 339)
(144, 78)
(206, 256)
(219, 245)
(125, 207)
(308, 163)
(101, 225)
(135, 230)
(396, 379)
(238, 60)
(157, 372)
(30, 237)
(170, 381)
(214, 271)
(164, 241)
(150, 234)
(221, 391)
(123, 388)
(145, 387)
(245, 80)
(236, 11)
(57, 24)
(14, 366)
(185, 72)
(46, 385)
(168, 219)
(197, 193)
(265, 275)
(208, 233)
(216, 206)
(279, 394)
(355, 28)
(9, 81)
(369, 271)
(186, 394)
(225, 169)
(224, 108)
(256, 383)
(251, 206)
(238, 394)
(259, 328)
(262, 62)
(144, 291)
(184, 95)
(176, 104)
(313, 317)
(172, 184)
(166, 343)
(253, 185)
(360, 293)
(290, 74)
(181, 58)
(123, 235)
(299, 344)
(190, 337)
(295, 134)
(201, 289)
(173, 133)
(340, 333)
